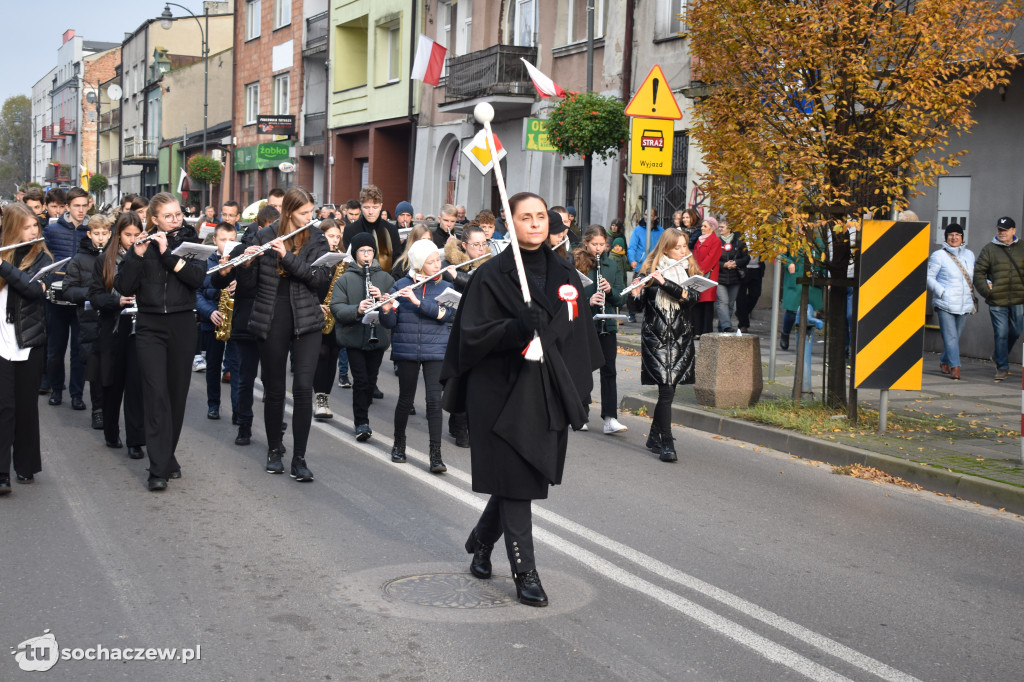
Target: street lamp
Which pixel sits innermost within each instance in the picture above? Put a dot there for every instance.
(166, 21)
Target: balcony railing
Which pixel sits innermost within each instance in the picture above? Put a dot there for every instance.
(313, 128)
(496, 70)
(47, 133)
(110, 119)
(57, 174)
(316, 30)
(139, 151)
(68, 126)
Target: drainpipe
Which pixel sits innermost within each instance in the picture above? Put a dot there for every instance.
(627, 87)
(413, 117)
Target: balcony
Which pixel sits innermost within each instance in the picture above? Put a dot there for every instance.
(110, 120)
(316, 34)
(57, 174)
(140, 152)
(496, 75)
(313, 128)
(47, 133)
(68, 126)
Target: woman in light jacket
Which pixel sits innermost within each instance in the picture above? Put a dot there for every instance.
(950, 270)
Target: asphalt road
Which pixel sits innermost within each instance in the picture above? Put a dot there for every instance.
(734, 564)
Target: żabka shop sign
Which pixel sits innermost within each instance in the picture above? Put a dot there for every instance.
(260, 156)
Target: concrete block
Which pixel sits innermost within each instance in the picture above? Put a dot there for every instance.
(728, 370)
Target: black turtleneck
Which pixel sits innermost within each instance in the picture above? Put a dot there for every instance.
(536, 265)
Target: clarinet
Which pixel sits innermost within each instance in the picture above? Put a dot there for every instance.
(373, 340)
(603, 331)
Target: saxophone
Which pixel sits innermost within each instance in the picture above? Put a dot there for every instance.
(226, 307)
(328, 326)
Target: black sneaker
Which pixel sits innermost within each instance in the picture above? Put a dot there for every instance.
(156, 484)
(274, 463)
(300, 472)
(344, 381)
(363, 433)
(97, 420)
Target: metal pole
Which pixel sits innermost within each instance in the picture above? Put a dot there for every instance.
(801, 337)
(588, 162)
(883, 409)
(206, 85)
(773, 339)
(650, 214)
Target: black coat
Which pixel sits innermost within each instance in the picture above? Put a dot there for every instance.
(25, 299)
(77, 283)
(666, 337)
(245, 294)
(519, 411)
(735, 250)
(113, 328)
(352, 229)
(303, 281)
(154, 283)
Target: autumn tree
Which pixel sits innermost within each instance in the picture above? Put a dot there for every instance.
(15, 143)
(826, 110)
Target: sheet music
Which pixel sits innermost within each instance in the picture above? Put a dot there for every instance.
(449, 297)
(48, 269)
(190, 250)
(699, 283)
(586, 280)
(371, 317)
(329, 259)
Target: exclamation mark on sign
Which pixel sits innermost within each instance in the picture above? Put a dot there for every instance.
(654, 94)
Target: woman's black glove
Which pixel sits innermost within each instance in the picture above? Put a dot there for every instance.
(532, 318)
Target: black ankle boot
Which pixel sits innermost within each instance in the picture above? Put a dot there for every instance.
(480, 566)
(97, 420)
(529, 591)
(654, 438)
(398, 450)
(784, 341)
(436, 465)
(274, 463)
(300, 472)
(668, 449)
(244, 436)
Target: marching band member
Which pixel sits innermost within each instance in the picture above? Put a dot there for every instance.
(518, 438)
(22, 345)
(164, 287)
(419, 336)
(118, 360)
(210, 318)
(286, 315)
(605, 296)
(354, 293)
(666, 334)
(327, 362)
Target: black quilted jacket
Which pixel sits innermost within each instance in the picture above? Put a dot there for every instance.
(25, 300)
(666, 338)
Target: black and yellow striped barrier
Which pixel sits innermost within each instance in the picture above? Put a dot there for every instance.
(891, 304)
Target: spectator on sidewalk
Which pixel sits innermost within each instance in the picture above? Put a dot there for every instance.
(949, 279)
(732, 264)
(707, 251)
(794, 269)
(998, 278)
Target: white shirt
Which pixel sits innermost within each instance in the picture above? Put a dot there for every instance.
(9, 348)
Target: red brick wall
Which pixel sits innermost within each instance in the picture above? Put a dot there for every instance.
(97, 70)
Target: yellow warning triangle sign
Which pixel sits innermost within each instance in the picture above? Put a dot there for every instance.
(654, 99)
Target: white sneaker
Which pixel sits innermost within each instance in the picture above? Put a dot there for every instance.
(585, 428)
(199, 364)
(612, 425)
(323, 408)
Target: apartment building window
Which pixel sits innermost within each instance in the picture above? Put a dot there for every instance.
(394, 53)
(670, 20)
(574, 13)
(281, 84)
(464, 32)
(253, 11)
(282, 13)
(350, 48)
(524, 14)
(252, 102)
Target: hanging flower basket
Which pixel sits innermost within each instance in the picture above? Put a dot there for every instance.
(586, 124)
(205, 169)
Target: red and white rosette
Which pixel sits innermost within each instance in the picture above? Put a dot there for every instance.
(569, 294)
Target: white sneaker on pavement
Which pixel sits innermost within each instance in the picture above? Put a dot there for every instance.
(612, 425)
(585, 428)
(323, 407)
(199, 364)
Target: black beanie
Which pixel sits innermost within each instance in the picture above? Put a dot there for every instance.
(555, 223)
(953, 228)
(363, 239)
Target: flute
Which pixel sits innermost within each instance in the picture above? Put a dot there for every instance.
(649, 277)
(20, 244)
(391, 297)
(246, 257)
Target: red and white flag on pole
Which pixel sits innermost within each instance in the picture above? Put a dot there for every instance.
(545, 86)
(429, 61)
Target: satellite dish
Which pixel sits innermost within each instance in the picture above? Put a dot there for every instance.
(114, 91)
(90, 116)
(90, 97)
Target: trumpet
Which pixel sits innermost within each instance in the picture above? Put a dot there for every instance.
(246, 257)
(649, 277)
(11, 247)
(391, 297)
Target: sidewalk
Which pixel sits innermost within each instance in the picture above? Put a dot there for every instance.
(961, 438)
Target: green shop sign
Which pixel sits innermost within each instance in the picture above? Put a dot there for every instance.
(535, 136)
(260, 156)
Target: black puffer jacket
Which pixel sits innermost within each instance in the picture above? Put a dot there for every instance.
(666, 336)
(733, 250)
(303, 282)
(26, 298)
(77, 282)
(154, 283)
(245, 295)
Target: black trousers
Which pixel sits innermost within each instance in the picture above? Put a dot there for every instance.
(19, 413)
(702, 316)
(408, 377)
(126, 384)
(514, 519)
(326, 364)
(274, 358)
(165, 345)
(62, 326)
(244, 379)
(609, 391)
(750, 291)
(221, 356)
(364, 365)
(663, 408)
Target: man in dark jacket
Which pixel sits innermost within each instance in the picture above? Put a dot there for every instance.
(999, 279)
(388, 244)
(63, 238)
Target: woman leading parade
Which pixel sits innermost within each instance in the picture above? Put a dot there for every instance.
(287, 315)
(164, 287)
(517, 439)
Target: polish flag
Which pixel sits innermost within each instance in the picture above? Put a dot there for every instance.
(545, 86)
(429, 61)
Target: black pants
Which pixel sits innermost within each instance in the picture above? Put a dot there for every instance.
(244, 379)
(663, 408)
(326, 364)
(609, 392)
(125, 383)
(217, 362)
(364, 365)
(274, 358)
(19, 413)
(702, 317)
(408, 377)
(165, 345)
(514, 519)
(62, 326)
(750, 291)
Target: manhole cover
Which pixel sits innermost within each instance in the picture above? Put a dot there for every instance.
(451, 591)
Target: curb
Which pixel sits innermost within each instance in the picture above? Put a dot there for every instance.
(963, 486)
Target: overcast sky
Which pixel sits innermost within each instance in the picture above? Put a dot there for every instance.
(34, 31)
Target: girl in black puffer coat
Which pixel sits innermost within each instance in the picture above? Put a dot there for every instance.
(22, 345)
(666, 335)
